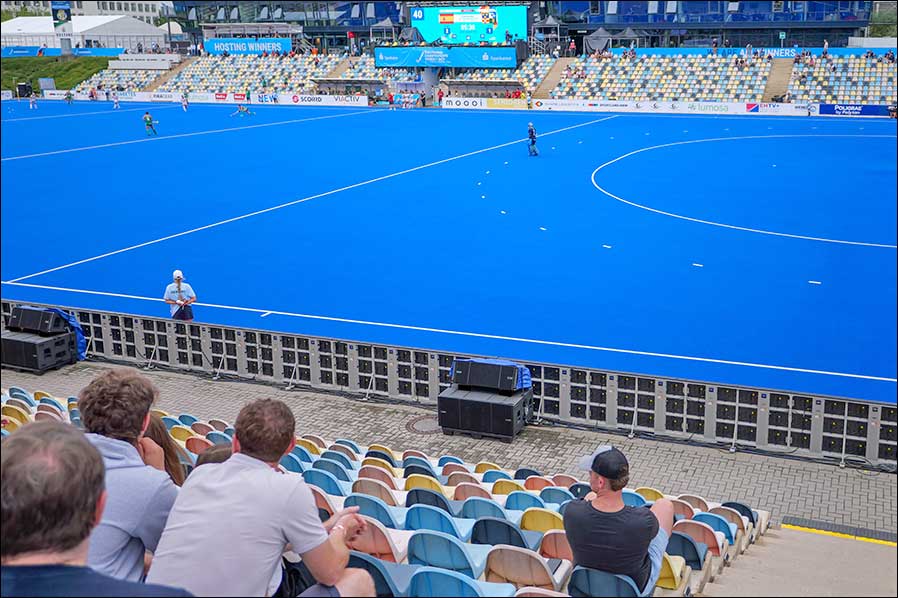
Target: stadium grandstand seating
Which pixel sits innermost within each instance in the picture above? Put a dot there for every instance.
(363, 68)
(119, 79)
(267, 74)
(665, 78)
(844, 79)
(529, 74)
(440, 526)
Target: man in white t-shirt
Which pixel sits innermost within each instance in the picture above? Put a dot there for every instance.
(232, 521)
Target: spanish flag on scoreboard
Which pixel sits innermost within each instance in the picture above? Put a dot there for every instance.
(447, 18)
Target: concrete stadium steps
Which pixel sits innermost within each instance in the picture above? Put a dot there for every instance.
(552, 78)
(343, 66)
(778, 80)
(168, 75)
(786, 562)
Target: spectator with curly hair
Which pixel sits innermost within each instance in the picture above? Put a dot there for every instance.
(53, 495)
(115, 411)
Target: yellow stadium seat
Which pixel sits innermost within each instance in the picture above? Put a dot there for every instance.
(308, 445)
(16, 413)
(541, 520)
(181, 433)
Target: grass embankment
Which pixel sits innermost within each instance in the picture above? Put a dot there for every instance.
(68, 71)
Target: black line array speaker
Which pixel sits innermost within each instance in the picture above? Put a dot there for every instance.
(24, 318)
(481, 413)
(35, 353)
(489, 376)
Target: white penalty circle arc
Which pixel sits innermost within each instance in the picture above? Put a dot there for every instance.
(721, 224)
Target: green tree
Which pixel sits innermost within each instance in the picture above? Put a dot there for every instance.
(883, 22)
(22, 12)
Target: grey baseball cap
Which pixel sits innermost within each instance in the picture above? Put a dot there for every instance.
(606, 461)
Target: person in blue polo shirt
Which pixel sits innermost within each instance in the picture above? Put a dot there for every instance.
(53, 496)
(179, 295)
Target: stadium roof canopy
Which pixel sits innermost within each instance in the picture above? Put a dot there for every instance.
(98, 25)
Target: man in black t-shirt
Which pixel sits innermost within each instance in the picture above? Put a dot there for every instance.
(607, 535)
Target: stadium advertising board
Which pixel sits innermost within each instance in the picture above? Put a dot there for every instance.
(6, 94)
(506, 103)
(416, 57)
(164, 96)
(246, 45)
(449, 102)
(853, 110)
(19, 51)
(264, 98)
(470, 24)
(297, 99)
(711, 108)
(55, 94)
(201, 97)
(492, 103)
(775, 52)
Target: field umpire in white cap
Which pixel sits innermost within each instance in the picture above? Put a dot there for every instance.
(179, 295)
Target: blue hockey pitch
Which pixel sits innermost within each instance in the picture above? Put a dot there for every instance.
(755, 251)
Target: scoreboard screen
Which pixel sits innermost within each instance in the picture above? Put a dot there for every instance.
(470, 24)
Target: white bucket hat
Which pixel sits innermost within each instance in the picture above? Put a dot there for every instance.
(177, 274)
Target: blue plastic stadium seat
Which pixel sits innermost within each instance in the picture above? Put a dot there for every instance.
(382, 455)
(291, 463)
(436, 549)
(743, 510)
(579, 490)
(492, 475)
(15, 392)
(326, 481)
(432, 518)
(692, 552)
(171, 422)
(340, 458)
(718, 524)
(216, 437)
(390, 579)
(525, 472)
(425, 496)
(586, 582)
(336, 469)
(54, 403)
(303, 454)
(449, 459)
(371, 506)
(632, 499)
(477, 507)
(555, 494)
(429, 582)
(355, 448)
(187, 419)
(521, 501)
(493, 530)
(420, 462)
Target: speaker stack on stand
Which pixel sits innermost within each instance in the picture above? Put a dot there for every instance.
(488, 397)
(37, 340)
